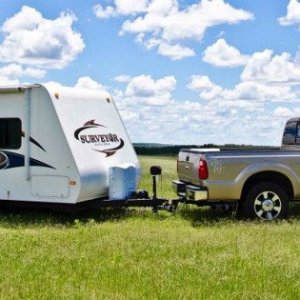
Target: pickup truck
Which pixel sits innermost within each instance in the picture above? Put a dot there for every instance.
(261, 182)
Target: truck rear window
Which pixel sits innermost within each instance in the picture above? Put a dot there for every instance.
(289, 135)
(10, 133)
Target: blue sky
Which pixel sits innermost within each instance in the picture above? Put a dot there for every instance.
(181, 71)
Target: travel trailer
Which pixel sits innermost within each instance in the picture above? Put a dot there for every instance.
(63, 145)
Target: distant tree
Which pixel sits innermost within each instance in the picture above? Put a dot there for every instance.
(150, 149)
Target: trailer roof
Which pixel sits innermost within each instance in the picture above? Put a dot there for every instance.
(17, 88)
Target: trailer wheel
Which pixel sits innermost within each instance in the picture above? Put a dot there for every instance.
(266, 201)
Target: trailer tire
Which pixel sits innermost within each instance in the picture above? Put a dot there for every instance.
(265, 201)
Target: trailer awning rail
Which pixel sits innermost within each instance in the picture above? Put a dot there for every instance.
(17, 88)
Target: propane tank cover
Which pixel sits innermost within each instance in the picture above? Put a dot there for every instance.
(122, 179)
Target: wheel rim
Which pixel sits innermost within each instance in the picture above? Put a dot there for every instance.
(267, 205)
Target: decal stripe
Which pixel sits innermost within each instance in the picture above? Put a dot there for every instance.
(33, 141)
(16, 160)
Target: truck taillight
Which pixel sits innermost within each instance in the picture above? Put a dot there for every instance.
(203, 170)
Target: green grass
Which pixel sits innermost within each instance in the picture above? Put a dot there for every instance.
(164, 186)
(135, 254)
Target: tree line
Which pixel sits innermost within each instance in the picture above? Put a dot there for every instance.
(173, 150)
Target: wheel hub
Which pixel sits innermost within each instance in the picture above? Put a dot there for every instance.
(267, 205)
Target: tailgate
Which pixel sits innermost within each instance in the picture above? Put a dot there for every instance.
(188, 164)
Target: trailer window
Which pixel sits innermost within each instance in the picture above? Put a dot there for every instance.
(290, 131)
(10, 133)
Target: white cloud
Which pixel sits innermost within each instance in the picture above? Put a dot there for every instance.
(165, 26)
(147, 90)
(293, 14)
(199, 82)
(16, 71)
(250, 92)
(256, 91)
(52, 84)
(175, 52)
(221, 54)
(248, 109)
(123, 78)
(192, 22)
(226, 118)
(12, 73)
(181, 122)
(121, 7)
(88, 83)
(263, 66)
(283, 112)
(104, 12)
(5, 81)
(206, 88)
(33, 40)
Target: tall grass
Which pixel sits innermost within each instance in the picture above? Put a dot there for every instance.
(164, 183)
(135, 254)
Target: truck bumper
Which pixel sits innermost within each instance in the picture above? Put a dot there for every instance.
(190, 192)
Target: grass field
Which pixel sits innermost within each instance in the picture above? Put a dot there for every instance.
(164, 187)
(134, 254)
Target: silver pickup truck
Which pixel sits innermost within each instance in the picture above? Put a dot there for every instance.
(261, 182)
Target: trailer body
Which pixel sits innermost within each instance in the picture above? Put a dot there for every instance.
(60, 144)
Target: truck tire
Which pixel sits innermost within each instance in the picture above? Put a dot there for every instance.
(265, 201)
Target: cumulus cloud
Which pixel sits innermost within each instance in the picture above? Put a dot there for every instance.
(283, 112)
(6, 81)
(225, 118)
(256, 91)
(201, 82)
(174, 52)
(250, 92)
(221, 54)
(16, 71)
(180, 122)
(264, 66)
(293, 14)
(164, 25)
(89, 83)
(104, 12)
(267, 80)
(147, 90)
(121, 7)
(12, 73)
(123, 78)
(33, 40)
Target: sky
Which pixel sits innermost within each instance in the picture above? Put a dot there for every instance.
(180, 71)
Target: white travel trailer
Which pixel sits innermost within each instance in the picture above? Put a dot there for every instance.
(63, 145)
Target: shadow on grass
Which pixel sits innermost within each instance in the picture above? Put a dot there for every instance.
(205, 215)
(15, 217)
(26, 217)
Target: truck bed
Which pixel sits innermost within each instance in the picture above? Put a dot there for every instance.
(229, 169)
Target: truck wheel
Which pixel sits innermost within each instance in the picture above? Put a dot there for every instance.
(266, 201)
